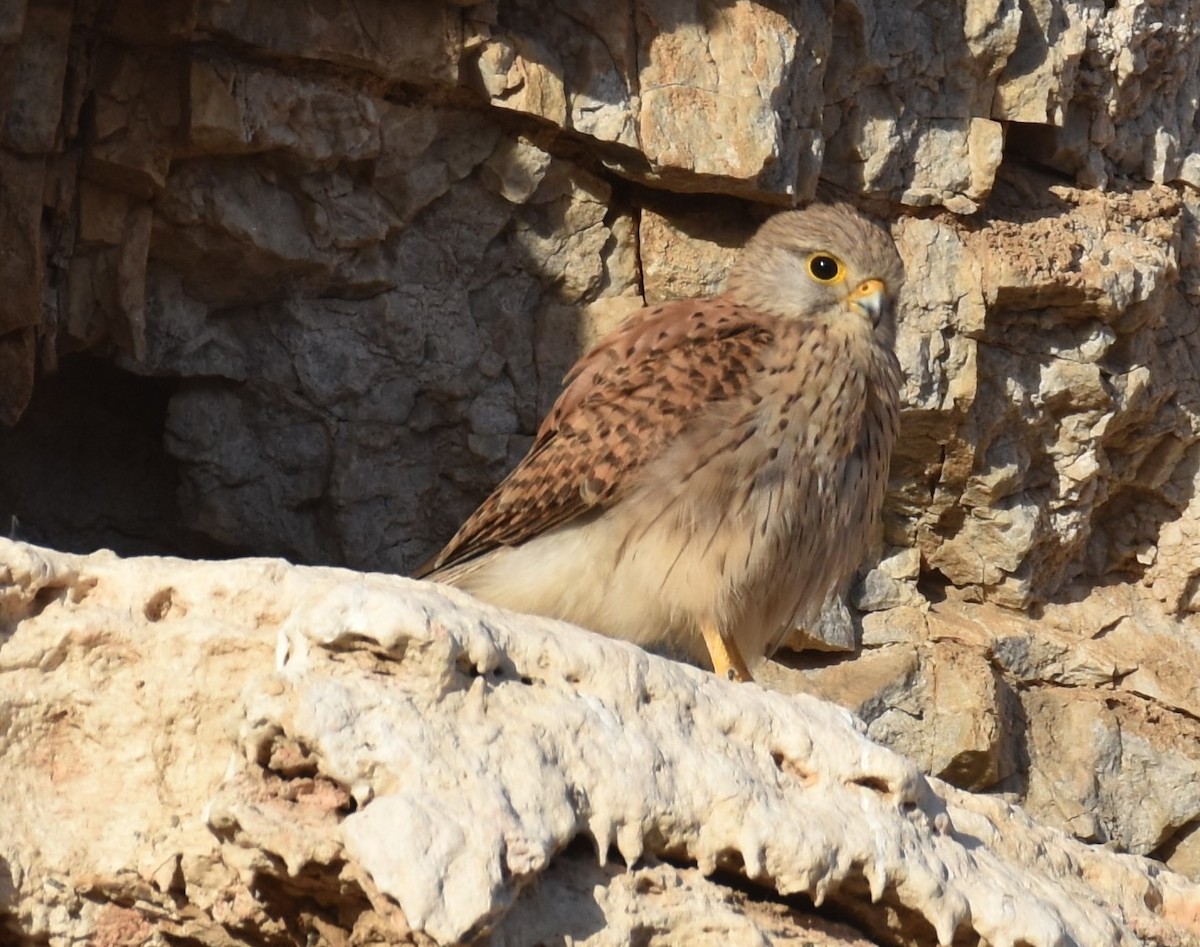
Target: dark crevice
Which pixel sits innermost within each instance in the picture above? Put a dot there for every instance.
(932, 585)
(85, 468)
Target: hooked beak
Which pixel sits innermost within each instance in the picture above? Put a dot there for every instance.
(870, 299)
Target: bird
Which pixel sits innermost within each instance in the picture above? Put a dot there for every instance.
(713, 468)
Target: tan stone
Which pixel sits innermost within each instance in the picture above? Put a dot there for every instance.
(1093, 763)
(1017, 505)
(687, 92)
(246, 110)
(514, 79)
(1039, 74)
(1182, 852)
(702, 107)
(688, 253)
(969, 724)
(904, 624)
(867, 685)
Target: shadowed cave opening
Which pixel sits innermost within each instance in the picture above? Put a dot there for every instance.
(85, 468)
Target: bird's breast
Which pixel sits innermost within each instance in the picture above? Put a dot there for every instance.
(830, 412)
(767, 499)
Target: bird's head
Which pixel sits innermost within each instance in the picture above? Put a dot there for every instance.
(821, 262)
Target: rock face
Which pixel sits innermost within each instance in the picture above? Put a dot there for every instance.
(302, 285)
(316, 755)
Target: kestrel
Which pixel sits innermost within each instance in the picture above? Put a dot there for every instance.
(714, 467)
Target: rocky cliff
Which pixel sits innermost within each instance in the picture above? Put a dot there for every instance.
(300, 282)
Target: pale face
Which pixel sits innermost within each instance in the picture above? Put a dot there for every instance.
(820, 261)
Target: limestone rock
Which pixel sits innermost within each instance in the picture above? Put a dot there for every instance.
(320, 753)
(1081, 769)
(721, 102)
(236, 110)
(687, 253)
(1042, 430)
(407, 41)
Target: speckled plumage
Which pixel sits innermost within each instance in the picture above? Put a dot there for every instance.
(714, 467)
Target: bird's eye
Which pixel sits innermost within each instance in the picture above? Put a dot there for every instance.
(825, 268)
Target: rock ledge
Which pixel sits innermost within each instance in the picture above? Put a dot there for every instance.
(249, 752)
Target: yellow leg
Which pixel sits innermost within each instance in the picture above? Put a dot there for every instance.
(726, 660)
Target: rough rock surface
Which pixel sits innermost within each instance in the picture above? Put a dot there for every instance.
(304, 753)
(303, 285)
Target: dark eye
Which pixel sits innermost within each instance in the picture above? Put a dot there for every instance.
(824, 268)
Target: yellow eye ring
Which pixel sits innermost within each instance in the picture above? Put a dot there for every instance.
(826, 268)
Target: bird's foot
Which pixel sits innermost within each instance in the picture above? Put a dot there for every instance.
(726, 659)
